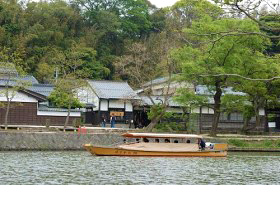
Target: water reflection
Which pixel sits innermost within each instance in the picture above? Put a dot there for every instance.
(79, 167)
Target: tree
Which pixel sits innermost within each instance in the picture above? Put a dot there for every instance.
(241, 104)
(12, 81)
(189, 101)
(211, 54)
(117, 22)
(147, 61)
(70, 78)
(252, 10)
(64, 94)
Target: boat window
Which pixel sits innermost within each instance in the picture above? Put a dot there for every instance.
(188, 141)
(175, 141)
(167, 141)
(145, 140)
(156, 140)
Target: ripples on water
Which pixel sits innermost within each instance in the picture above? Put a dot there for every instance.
(79, 167)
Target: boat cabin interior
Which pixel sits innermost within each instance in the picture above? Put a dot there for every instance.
(161, 140)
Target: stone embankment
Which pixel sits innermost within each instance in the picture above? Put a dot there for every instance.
(28, 140)
(43, 140)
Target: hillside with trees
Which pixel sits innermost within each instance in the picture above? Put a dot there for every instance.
(220, 44)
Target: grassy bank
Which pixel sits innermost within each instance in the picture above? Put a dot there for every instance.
(254, 144)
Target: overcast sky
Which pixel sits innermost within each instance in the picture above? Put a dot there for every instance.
(163, 3)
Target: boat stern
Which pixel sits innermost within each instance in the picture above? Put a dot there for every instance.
(221, 147)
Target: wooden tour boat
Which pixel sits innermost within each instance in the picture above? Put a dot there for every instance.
(151, 144)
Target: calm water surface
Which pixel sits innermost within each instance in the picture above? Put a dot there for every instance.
(79, 167)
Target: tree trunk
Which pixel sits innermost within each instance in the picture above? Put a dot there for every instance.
(256, 109)
(67, 118)
(266, 128)
(245, 124)
(7, 114)
(154, 122)
(258, 119)
(217, 108)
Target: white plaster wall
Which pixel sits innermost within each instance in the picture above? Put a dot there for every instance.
(83, 95)
(116, 104)
(86, 95)
(61, 114)
(128, 107)
(204, 110)
(211, 111)
(195, 110)
(104, 105)
(19, 97)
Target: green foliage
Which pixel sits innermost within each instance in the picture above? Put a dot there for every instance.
(155, 110)
(254, 144)
(61, 98)
(169, 126)
(236, 103)
(64, 95)
(189, 99)
(45, 72)
(237, 143)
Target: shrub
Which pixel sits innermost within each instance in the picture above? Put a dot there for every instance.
(237, 143)
(267, 144)
(278, 143)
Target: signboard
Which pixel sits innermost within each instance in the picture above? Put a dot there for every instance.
(117, 114)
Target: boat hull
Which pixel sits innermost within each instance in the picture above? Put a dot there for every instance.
(110, 151)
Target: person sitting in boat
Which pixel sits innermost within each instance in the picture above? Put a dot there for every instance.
(188, 141)
(201, 143)
(145, 140)
(156, 140)
(167, 141)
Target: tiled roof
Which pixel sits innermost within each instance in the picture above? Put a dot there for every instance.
(43, 89)
(4, 82)
(31, 79)
(113, 89)
(157, 99)
(156, 81)
(46, 108)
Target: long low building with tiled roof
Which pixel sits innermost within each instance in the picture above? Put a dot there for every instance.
(29, 104)
(108, 98)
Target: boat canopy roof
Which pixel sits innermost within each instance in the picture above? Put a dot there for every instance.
(159, 135)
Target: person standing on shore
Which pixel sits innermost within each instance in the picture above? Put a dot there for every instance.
(103, 118)
(113, 121)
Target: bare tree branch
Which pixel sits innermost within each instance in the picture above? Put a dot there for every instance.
(240, 76)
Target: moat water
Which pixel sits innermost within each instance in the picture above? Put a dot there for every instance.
(79, 167)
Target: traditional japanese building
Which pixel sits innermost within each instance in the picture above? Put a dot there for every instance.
(202, 116)
(29, 104)
(105, 98)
